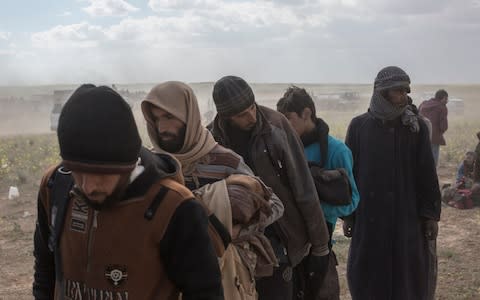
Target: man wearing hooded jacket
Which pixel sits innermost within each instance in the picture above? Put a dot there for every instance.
(129, 229)
(272, 149)
(392, 253)
(214, 174)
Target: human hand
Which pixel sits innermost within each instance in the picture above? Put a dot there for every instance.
(317, 265)
(316, 268)
(348, 223)
(430, 229)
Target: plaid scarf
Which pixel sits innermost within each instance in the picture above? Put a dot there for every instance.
(382, 109)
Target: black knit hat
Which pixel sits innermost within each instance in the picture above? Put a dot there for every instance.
(232, 95)
(97, 132)
(391, 77)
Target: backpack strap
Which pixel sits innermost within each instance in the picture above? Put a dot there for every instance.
(323, 143)
(219, 234)
(60, 184)
(152, 209)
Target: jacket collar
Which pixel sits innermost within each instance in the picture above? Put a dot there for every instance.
(317, 135)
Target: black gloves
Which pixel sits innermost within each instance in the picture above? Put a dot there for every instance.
(317, 265)
(316, 268)
(348, 223)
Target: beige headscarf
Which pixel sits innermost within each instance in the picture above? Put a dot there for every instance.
(178, 99)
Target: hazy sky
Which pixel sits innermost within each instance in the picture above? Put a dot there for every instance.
(74, 41)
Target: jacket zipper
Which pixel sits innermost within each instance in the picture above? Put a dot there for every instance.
(91, 237)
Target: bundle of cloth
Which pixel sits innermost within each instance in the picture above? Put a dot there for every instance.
(245, 214)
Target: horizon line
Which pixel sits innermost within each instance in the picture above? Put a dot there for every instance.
(212, 82)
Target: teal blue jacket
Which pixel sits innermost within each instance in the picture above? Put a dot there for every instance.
(339, 156)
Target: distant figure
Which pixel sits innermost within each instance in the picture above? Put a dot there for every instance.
(476, 176)
(465, 193)
(329, 153)
(436, 111)
(114, 220)
(393, 251)
(272, 149)
(466, 169)
(219, 178)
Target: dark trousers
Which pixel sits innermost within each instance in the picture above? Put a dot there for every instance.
(279, 286)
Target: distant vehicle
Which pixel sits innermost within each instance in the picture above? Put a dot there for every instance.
(59, 98)
(350, 96)
(340, 101)
(456, 105)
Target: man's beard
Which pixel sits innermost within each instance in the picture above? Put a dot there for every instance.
(246, 129)
(176, 141)
(110, 200)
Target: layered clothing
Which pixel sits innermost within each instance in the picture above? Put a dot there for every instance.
(198, 141)
(330, 153)
(151, 244)
(207, 168)
(337, 155)
(202, 159)
(389, 255)
(275, 154)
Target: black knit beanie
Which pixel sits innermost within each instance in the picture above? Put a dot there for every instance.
(97, 132)
(391, 77)
(232, 95)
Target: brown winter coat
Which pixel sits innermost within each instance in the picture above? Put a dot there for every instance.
(276, 155)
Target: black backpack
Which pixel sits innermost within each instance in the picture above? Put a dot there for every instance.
(333, 186)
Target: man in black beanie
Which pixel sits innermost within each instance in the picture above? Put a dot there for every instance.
(272, 149)
(114, 220)
(392, 253)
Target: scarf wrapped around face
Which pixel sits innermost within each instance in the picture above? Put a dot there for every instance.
(178, 99)
(389, 78)
(382, 109)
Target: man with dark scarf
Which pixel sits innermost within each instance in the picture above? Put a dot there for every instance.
(392, 253)
(320, 147)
